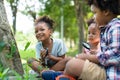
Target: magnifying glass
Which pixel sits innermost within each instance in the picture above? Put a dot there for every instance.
(86, 45)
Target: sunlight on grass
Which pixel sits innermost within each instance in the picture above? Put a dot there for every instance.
(27, 54)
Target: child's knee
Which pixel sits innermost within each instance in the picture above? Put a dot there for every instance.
(70, 66)
(74, 67)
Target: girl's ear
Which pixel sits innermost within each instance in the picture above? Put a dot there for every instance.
(106, 12)
(51, 31)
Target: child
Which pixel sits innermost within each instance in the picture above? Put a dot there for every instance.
(106, 64)
(93, 38)
(48, 50)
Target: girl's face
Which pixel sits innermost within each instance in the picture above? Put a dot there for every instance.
(99, 16)
(42, 31)
(93, 34)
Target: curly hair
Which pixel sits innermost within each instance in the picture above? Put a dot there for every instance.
(111, 5)
(90, 21)
(47, 20)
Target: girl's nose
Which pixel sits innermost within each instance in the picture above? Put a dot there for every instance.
(90, 35)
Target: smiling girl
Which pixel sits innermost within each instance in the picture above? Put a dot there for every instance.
(48, 50)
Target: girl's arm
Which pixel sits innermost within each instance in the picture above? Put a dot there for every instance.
(56, 58)
(92, 58)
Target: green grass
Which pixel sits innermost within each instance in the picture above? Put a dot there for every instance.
(72, 52)
(27, 54)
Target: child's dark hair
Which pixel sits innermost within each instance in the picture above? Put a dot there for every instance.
(47, 20)
(90, 21)
(111, 5)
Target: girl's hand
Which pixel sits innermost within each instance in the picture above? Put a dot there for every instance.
(93, 52)
(50, 56)
(81, 56)
(42, 54)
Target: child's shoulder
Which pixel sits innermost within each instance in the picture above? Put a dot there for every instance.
(114, 23)
(57, 41)
(39, 44)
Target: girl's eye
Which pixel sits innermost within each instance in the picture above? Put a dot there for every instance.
(42, 29)
(36, 31)
(93, 33)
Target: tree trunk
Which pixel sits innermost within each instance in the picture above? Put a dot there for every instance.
(9, 55)
(80, 20)
(14, 5)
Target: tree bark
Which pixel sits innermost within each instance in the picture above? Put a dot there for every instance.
(14, 5)
(80, 21)
(9, 55)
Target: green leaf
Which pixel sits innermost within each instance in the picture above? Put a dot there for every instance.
(27, 45)
(5, 72)
(2, 44)
(8, 55)
(0, 75)
(13, 48)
